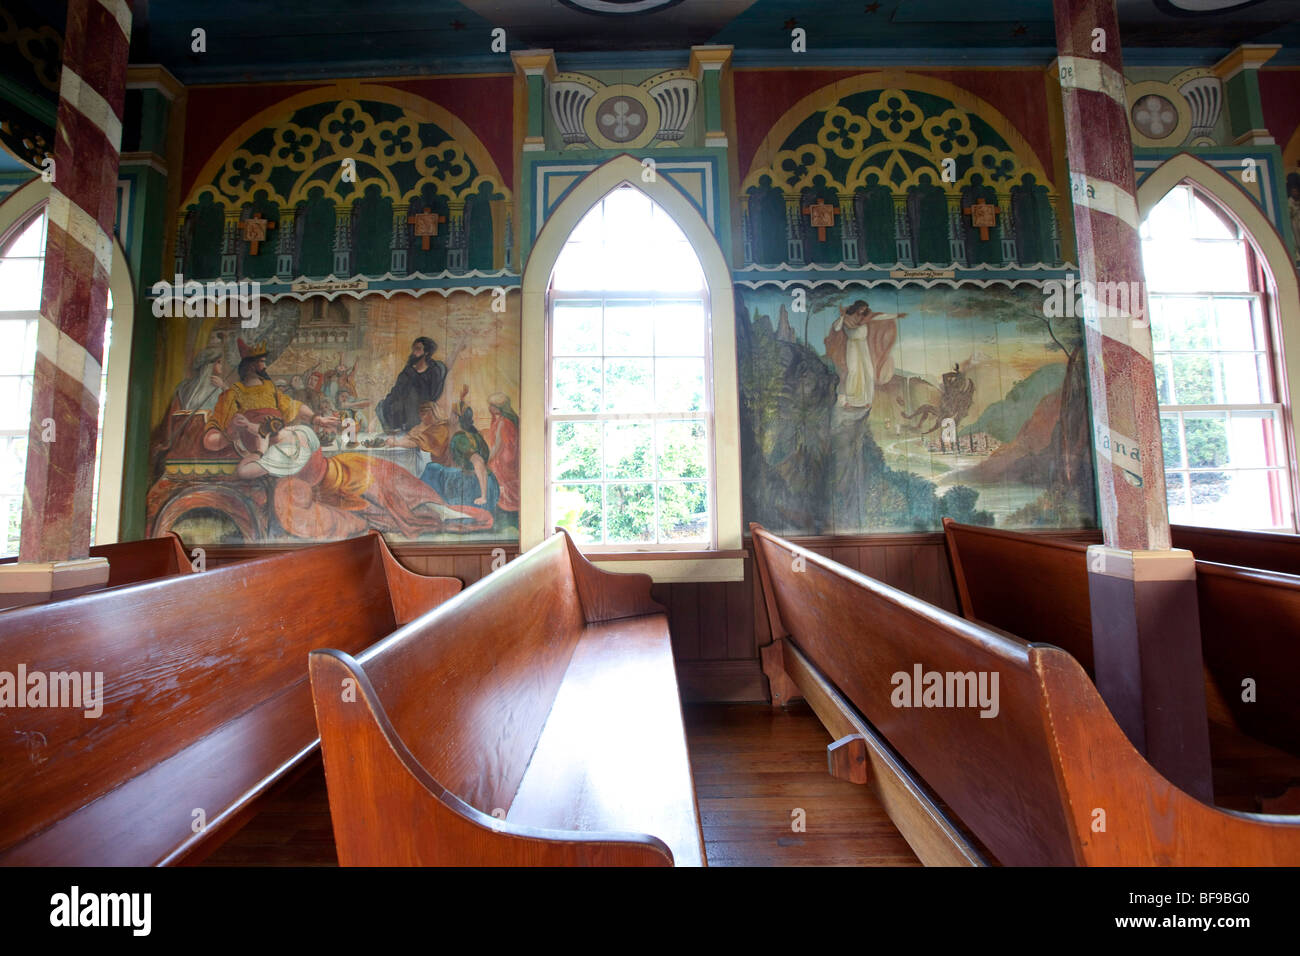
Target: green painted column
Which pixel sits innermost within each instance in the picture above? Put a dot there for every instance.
(1239, 71)
(707, 64)
(146, 242)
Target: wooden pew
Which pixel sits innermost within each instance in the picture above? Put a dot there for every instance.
(1250, 629)
(532, 720)
(205, 699)
(130, 562)
(1037, 589)
(1266, 550)
(1019, 787)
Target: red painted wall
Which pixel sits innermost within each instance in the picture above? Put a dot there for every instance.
(485, 104)
(1279, 95)
(762, 96)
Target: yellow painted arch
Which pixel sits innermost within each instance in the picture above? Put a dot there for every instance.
(821, 98)
(425, 110)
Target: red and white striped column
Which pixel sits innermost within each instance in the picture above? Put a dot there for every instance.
(74, 298)
(1146, 633)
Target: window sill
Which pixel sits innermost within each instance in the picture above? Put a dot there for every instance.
(674, 567)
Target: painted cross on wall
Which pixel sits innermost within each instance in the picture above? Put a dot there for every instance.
(821, 216)
(426, 225)
(254, 231)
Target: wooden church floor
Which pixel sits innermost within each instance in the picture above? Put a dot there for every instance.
(753, 766)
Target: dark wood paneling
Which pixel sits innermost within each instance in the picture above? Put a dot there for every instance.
(717, 627)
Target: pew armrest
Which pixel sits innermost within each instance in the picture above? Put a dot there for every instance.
(413, 594)
(608, 595)
(388, 810)
(1147, 820)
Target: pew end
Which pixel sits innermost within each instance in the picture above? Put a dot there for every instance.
(554, 736)
(609, 595)
(412, 593)
(1144, 819)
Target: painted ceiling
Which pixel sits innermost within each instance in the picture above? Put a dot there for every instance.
(255, 39)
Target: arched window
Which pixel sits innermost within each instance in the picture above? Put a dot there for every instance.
(629, 427)
(1217, 367)
(22, 268)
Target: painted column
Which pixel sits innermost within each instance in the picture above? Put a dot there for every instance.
(1239, 72)
(1146, 633)
(74, 297)
(536, 69)
(161, 97)
(707, 64)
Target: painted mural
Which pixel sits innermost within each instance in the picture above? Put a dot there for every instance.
(333, 417)
(897, 176)
(884, 410)
(372, 186)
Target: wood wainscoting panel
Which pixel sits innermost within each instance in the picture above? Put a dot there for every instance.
(718, 627)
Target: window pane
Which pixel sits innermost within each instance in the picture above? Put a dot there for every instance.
(1160, 319)
(630, 514)
(1208, 224)
(31, 241)
(590, 228)
(679, 328)
(575, 454)
(629, 328)
(1176, 496)
(1254, 440)
(14, 358)
(576, 509)
(1190, 323)
(1162, 380)
(1194, 381)
(683, 452)
(575, 329)
(1244, 381)
(581, 265)
(683, 511)
(1237, 327)
(13, 464)
(679, 384)
(1172, 216)
(1171, 441)
(20, 284)
(629, 385)
(575, 386)
(627, 450)
(1207, 440)
(1242, 499)
(11, 512)
(15, 404)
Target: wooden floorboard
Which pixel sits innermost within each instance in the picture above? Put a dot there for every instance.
(753, 767)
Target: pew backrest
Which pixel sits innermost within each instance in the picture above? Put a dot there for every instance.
(1250, 631)
(1248, 619)
(179, 657)
(1029, 585)
(449, 710)
(1029, 781)
(1266, 550)
(861, 634)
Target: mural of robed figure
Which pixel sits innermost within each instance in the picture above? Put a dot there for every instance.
(860, 344)
(420, 381)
